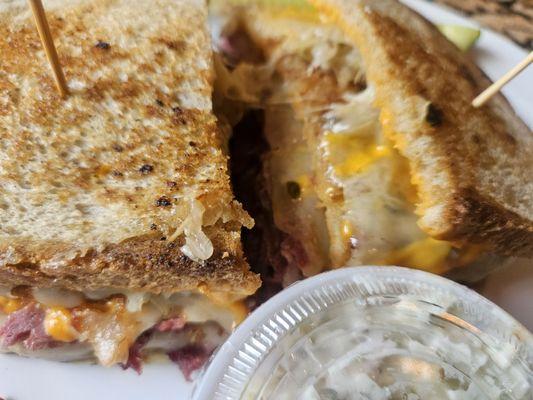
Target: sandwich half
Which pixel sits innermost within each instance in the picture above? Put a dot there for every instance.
(372, 152)
(119, 232)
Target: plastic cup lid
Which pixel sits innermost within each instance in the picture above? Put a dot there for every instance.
(374, 333)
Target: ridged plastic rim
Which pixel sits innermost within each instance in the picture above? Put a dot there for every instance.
(236, 361)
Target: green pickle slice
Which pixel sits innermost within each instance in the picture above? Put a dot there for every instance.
(462, 36)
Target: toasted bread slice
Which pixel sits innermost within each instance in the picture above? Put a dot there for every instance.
(472, 167)
(124, 183)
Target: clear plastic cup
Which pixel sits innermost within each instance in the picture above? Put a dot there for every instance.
(374, 333)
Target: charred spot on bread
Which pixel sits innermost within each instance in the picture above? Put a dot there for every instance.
(146, 169)
(102, 45)
(434, 115)
(163, 201)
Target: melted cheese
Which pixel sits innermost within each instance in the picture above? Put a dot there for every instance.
(352, 137)
(469, 253)
(358, 161)
(110, 322)
(220, 307)
(8, 305)
(239, 310)
(346, 230)
(55, 297)
(379, 190)
(58, 324)
(427, 254)
(291, 10)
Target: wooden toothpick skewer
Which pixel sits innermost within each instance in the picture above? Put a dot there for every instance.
(48, 44)
(496, 86)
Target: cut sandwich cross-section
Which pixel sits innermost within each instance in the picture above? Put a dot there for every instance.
(359, 170)
(471, 167)
(116, 212)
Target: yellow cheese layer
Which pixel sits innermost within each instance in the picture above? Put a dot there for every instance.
(239, 311)
(426, 254)
(351, 154)
(58, 324)
(227, 300)
(8, 306)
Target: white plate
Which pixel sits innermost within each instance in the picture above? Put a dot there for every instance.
(25, 379)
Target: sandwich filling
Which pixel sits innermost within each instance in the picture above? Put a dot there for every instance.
(339, 192)
(121, 186)
(115, 327)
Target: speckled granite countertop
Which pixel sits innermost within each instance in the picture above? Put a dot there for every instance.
(513, 18)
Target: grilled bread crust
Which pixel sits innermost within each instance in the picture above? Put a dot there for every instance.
(473, 167)
(93, 187)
